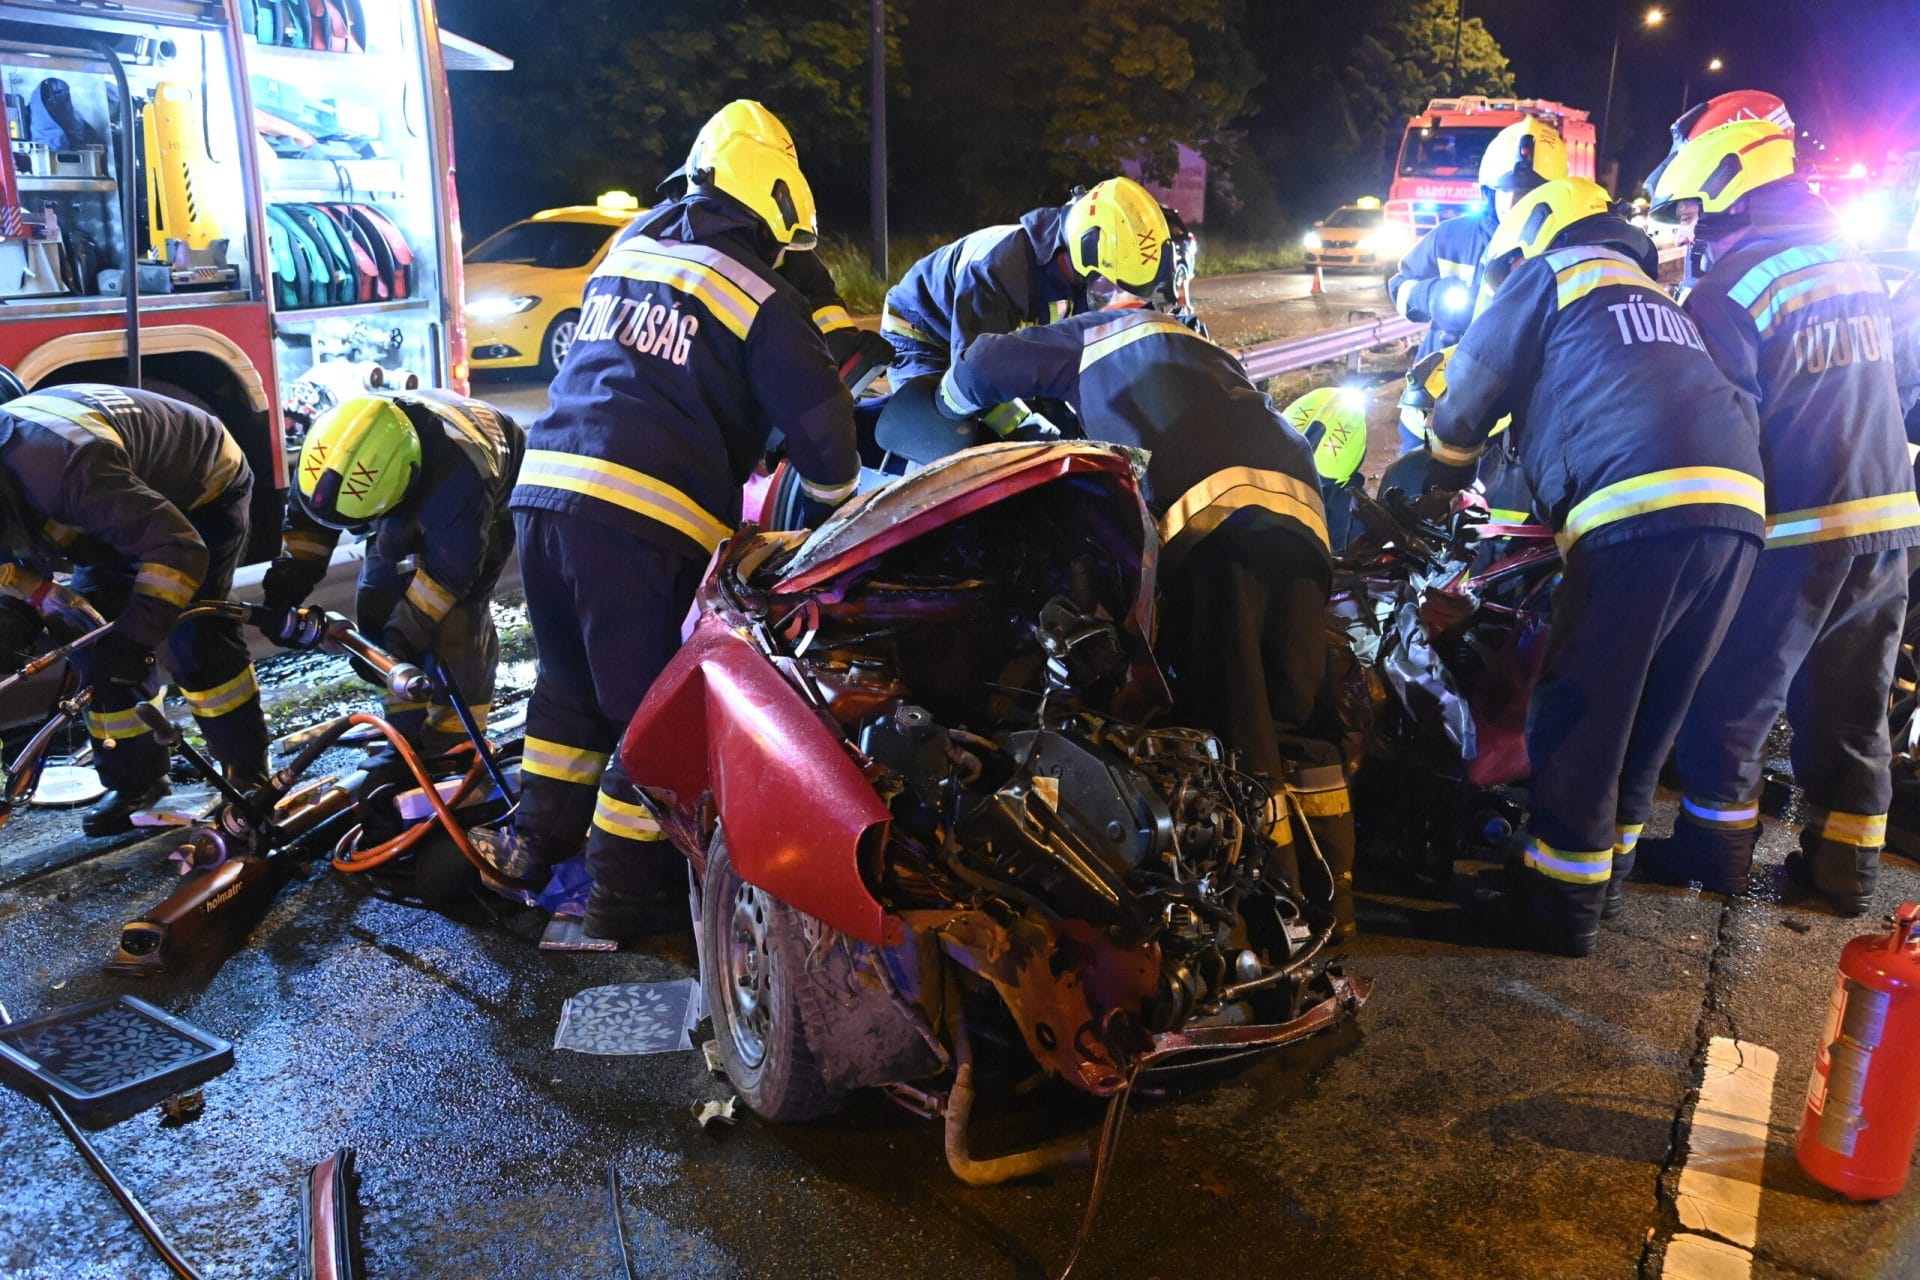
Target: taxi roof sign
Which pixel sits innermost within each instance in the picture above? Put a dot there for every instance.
(617, 202)
(1367, 202)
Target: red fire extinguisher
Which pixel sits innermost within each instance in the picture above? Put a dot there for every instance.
(1863, 1103)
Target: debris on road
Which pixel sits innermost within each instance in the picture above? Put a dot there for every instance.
(630, 1018)
(707, 1112)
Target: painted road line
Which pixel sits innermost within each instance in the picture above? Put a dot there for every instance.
(1718, 1198)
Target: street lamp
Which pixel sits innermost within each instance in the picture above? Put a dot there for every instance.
(1651, 18)
(1686, 83)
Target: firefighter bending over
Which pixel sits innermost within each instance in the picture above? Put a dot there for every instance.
(1246, 562)
(426, 475)
(148, 498)
(691, 350)
(1646, 463)
(1053, 263)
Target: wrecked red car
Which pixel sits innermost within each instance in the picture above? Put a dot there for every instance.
(915, 761)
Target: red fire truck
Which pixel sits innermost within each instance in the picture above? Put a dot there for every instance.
(1437, 174)
(247, 203)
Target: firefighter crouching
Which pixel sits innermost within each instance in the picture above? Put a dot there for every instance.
(1645, 460)
(148, 498)
(1053, 263)
(1802, 324)
(691, 350)
(1333, 422)
(426, 475)
(1246, 565)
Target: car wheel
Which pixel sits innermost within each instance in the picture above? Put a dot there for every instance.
(758, 983)
(558, 341)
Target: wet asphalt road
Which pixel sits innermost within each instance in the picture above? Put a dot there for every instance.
(1490, 1114)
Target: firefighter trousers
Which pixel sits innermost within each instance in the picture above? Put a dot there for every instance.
(606, 606)
(1243, 630)
(207, 658)
(1816, 635)
(1635, 624)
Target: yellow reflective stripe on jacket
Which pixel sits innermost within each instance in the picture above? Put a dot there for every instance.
(1451, 270)
(828, 319)
(890, 323)
(224, 469)
(1805, 285)
(1660, 491)
(624, 487)
(1585, 866)
(118, 726)
(428, 596)
(1582, 278)
(305, 546)
(544, 758)
(1861, 830)
(1626, 836)
(163, 582)
(695, 274)
(1102, 340)
(60, 415)
(1844, 520)
(628, 821)
(1206, 506)
(227, 696)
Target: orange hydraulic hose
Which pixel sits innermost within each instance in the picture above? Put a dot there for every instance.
(387, 850)
(491, 878)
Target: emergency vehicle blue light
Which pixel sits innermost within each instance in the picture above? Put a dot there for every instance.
(1425, 206)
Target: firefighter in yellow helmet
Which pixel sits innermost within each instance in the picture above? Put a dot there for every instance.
(691, 351)
(1646, 463)
(1333, 421)
(425, 475)
(1439, 280)
(1801, 324)
(852, 346)
(1053, 263)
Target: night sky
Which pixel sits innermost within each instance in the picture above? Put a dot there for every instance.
(1849, 69)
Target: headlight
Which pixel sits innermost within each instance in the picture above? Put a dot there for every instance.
(1389, 241)
(1310, 241)
(496, 308)
(1865, 220)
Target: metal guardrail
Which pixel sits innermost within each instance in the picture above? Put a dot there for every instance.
(1289, 355)
(1270, 359)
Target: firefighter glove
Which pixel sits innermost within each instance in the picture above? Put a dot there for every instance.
(289, 581)
(120, 661)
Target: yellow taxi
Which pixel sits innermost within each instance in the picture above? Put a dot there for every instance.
(1356, 235)
(524, 283)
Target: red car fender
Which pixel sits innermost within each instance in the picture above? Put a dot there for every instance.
(797, 810)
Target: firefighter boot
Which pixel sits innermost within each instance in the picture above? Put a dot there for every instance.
(1320, 795)
(112, 814)
(1542, 914)
(1626, 841)
(1845, 875)
(620, 916)
(1719, 858)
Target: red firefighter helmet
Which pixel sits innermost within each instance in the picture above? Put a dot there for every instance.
(1740, 104)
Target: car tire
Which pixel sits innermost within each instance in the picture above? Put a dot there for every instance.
(760, 988)
(557, 340)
